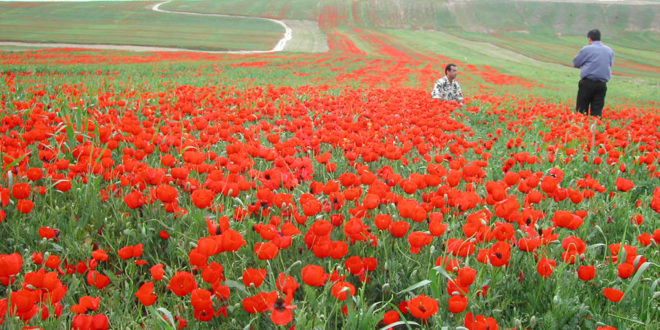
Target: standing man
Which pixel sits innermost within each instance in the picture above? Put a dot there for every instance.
(447, 88)
(596, 61)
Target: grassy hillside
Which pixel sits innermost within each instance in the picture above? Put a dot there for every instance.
(131, 23)
(168, 190)
(101, 136)
(476, 16)
(533, 40)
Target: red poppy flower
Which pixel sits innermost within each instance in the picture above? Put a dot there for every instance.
(97, 279)
(179, 173)
(480, 322)
(48, 233)
(338, 249)
(254, 277)
(614, 295)
(24, 206)
(496, 191)
(348, 179)
(390, 317)
(314, 275)
(342, 289)
(157, 272)
(586, 273)
(383, 221)
(100, 255)
(437, 227)
(24, 303)
(321, 227)
(466, 276)
(499, 254)
(371, 201)
(166, 193)
(10, 265)
(53, 261)
(21, 190)
(5, 196)
(625, 270)
(201, 299)
(423, 307)
(457, 303)
(311, 206)
(354, 265)
(566, 219)
(37, 258)
(213, 273)
(573, 246)
(164, 234)
(644, 239)
(624, 184)
(637, 219)
(502, 232)
(322, 158)
(182, 283)
(260, 302)
(134, 199)
(399, 228)
(546, 267)
(370, 264)
(96, 322)
(266, 251)
(408, 186)
(85, 304)
(549, 185)
(454, 288)
(286, 284)
(35, 174)
(202, 198)
(460, 247)
(417, 240)
(281, 310)
(63, 185)
(146, 294)
(131, 251)
(511, 178)
(207, 246)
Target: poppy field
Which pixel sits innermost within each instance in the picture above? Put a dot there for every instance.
(314, 191)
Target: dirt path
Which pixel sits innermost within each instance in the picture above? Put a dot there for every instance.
(280, 46)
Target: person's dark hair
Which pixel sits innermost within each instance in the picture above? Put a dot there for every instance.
(594, 35)
(449, 66)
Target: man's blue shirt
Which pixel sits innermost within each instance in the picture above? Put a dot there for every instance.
(596, 61)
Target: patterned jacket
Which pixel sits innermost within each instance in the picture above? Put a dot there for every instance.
(445, 90)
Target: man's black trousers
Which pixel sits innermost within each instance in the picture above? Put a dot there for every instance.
(591, 93)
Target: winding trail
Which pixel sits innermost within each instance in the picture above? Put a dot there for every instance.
(278, 47)
(281, 44)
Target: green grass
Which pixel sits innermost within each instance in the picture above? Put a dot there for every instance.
(479, 15)
(132, 23)
(632, 55)
(79, 214)
(560, 301)
(544, 37)
(293, 9)
(559, 80)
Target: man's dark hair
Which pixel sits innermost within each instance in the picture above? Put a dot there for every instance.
(594, 35)
(449, 66)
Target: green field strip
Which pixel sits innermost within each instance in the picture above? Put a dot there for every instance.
(133, 23)
(559, 81)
